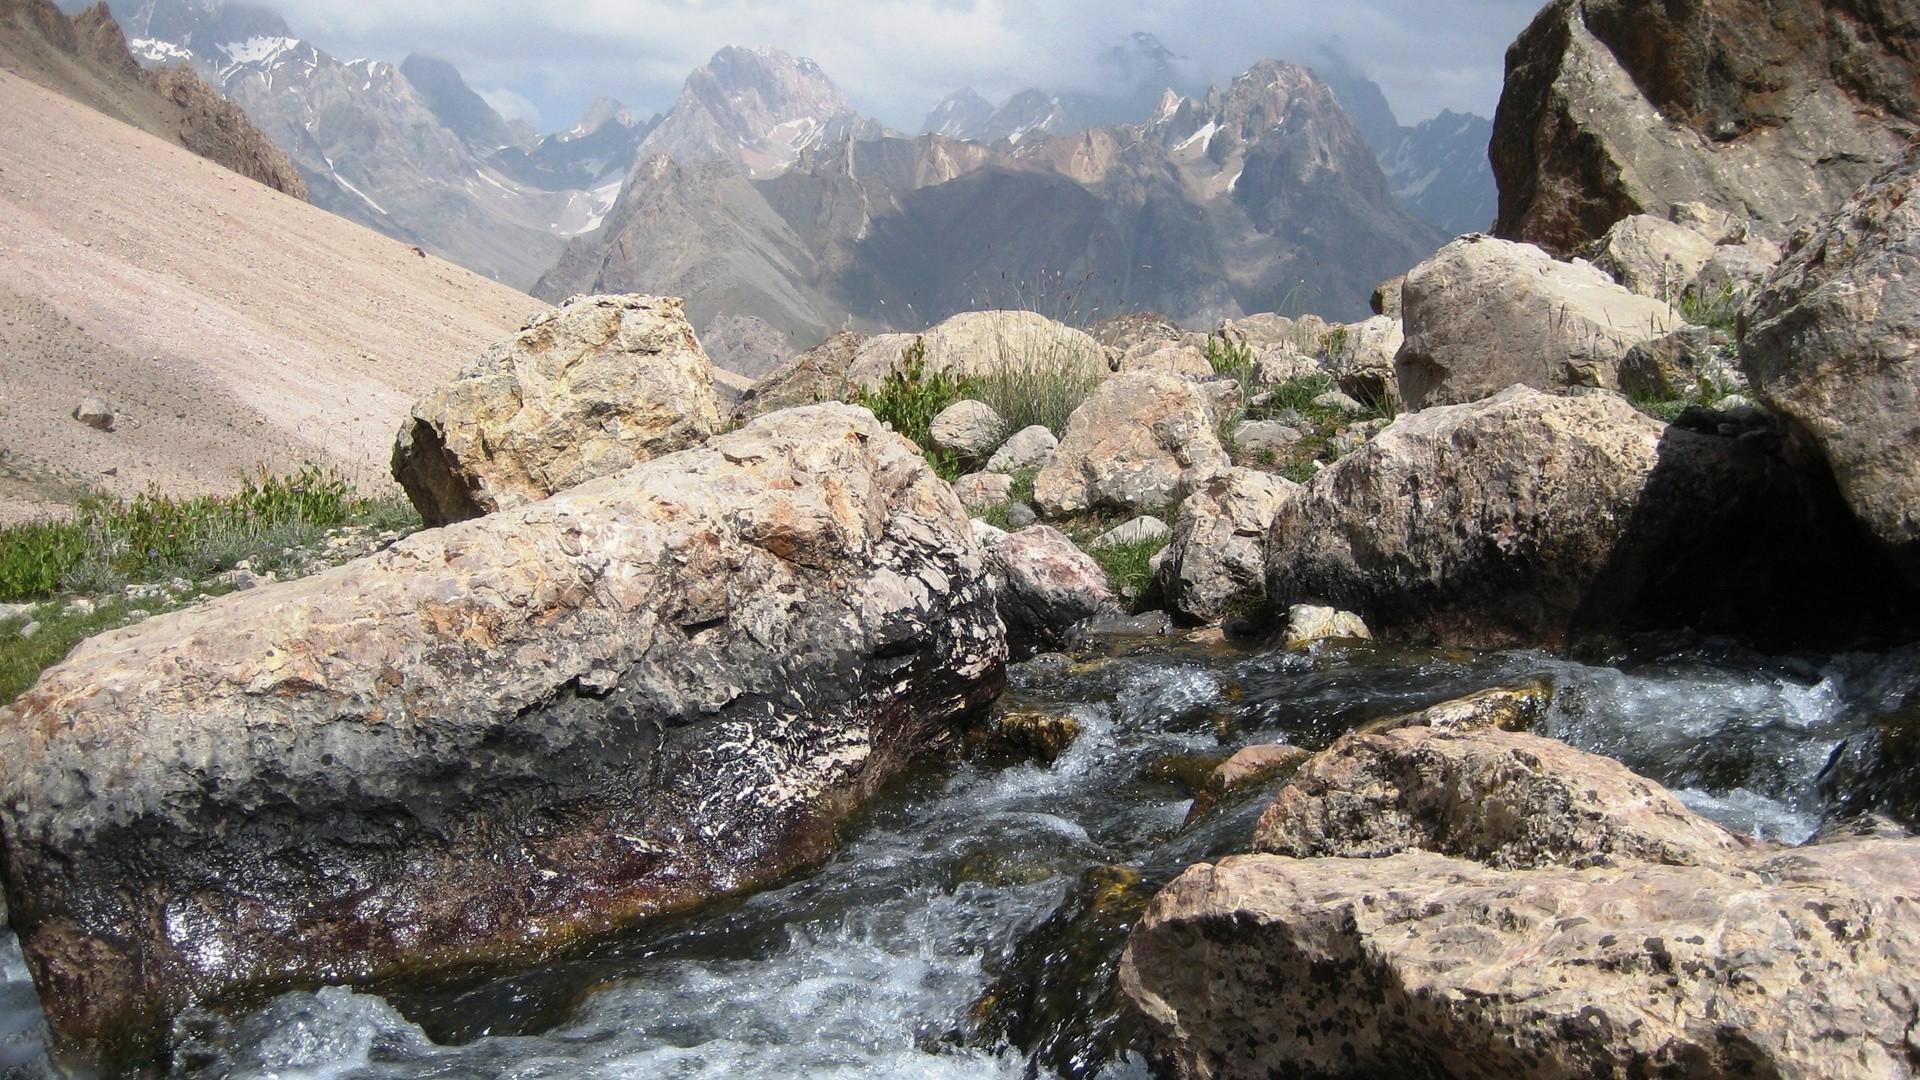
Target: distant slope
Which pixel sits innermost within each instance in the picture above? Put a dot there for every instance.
(85, 57)
(230, 324)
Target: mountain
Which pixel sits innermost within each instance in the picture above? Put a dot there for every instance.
(1136, 72)
(593, 155)
(229, 325)
(962, 114)
(1437, 169)
(414, 160)
(86, 58)
(757, 107)
(1259, 197)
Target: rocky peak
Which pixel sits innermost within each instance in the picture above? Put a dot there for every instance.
(962, 114)
(757, 106)
(204, 25)
(464, 112)
(602, 111)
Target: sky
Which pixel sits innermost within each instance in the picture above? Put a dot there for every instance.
(894, 59)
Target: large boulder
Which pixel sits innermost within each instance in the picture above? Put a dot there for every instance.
(1362, 363)
(1218, 554)
(1832, 342)
(976, 343)
(1775, 112)
(496, 738)
(1046, 586)
(586, 390)
(1483, 314)
(1141, 441)
(1530, 518)
(814, 376)
(1519, 908)
(1653, 256)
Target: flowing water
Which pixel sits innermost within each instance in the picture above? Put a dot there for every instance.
(971, 924)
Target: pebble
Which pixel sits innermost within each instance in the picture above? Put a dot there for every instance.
(30, 629)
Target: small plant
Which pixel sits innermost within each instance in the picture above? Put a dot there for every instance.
(910, 396)
(1129, 566)
(1335, 341)
(1720, 311)
(1232, 359)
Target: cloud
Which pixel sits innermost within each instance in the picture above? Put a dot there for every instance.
(896, 58)
(511, 105)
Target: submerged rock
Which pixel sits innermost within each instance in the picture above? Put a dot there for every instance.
(592, 388)
(496, 738)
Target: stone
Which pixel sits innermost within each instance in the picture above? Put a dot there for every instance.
(493, 740)
(1139, 442)
(1170, 356)
(1308, 623)
(1735, 270)
(1224, 396)
(1248, 768)
(1115, 627)
(1484, 314)
(1046, 586)
(1676, 364)
(1216, 560)
(1718, 226)
(586, 390)
(1620, 107)
(816, 375)
(31, 628)
(1832, 342)
(983, 491)
(1040, 737)
(1029, 448)
(16, 612)
(1652, 256)
(1334, 399)
(1020, 515)
(1507, 708)
(1485, 903)
(970, 429)
(1363, 365)
(1140, 530)
(975, 343)
(1386, 297)
(1124, 331)
(95, 413)
(1284, 363)
(1272, 436)
(986, 534)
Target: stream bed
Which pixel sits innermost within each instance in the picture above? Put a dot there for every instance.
(971, 924)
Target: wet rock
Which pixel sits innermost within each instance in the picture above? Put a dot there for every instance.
(814, 376)
(1032, 736)
(95, 413)
(1877, 772)
(1140, 441)
(1216, 560)
(1029, 448)
(1046, 586)
(1652, 256)
(1830, 343)
(587, 390)
(658, 687)
(1621, 107)
(1248, 768)
(970, 429)
(1118, 628)
(983, 491)
(1140, 530)
(1484, 314)
(1507, 708)
(1308, 623)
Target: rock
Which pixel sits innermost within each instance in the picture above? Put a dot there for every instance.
(244, 580)
(1507, 708)
(1140, 530)
(1876, 771)
(1224, 397)
(1283, 364)
(1268, 333)
(745, 345)
(1528, 518)
(95, 413)
(31, 628)
(1830, 343)
(1620, 107)
(494, 739)
(1247, 768)
(1735, 270)
(1217, 557)
(1046, 585)
(983, 342)
(597, 386)
(1029, 448)
(1271, 436)
(1386, 297)
(15, 612)
(1032, 736)
(1170, 356)
(1354, 436)
(1124, 331)
(1652, 256)
(1484, 314)
(1140, 441)
(1494, 904)
(983, 491)
(1308, 623)
(970, 429)
(1363, 365)
(1106, 629)
(987, 534)
(1676, 364)
(1020, 515)
(1334, 399)
(814, 376)
(1718, 226)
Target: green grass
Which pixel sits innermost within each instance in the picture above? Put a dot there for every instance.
(1719, 312)
(23, 659)
(1043, 390)
(1128, 568)
(910, 396)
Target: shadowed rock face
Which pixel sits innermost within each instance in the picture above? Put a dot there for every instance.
(1774, 110)
(497, 737)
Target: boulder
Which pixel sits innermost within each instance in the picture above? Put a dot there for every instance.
(982, 342)
(1046, 585)
(1217, 557)
(1141, 530)
(494, 739)
(746, 345)
(1735, 270)
(1139, 442)
(586, 390)
(1484, 314)
(970, 429)
(1386, 297)
(95, 413)
(1029, 448)
(1363, 364)
(983, 491)
(1776, 114)
(1170, 356)
(1246, 768)
(1308, 623)
(1718, 226)
(1270, 436)
(1653, 256)
(1528, 519)
(1832, 342)
(1284, 363)
(1508, 708)
(1124, 331)
(1020, 515)
(1493, 904)
(814, 376)
(1676, 364)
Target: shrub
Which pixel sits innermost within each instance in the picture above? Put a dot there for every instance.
(1128, 566)
(911, 396)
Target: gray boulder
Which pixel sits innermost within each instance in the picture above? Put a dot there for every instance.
(1218, 553)
(1484, 314)
(1139, 442)
(494, 739)
(1140, 530)
(1029, 448)
(95, 413)
(1046, 586)
(1735, 270)
(1678, 363)
(970, 429)
(1653, 256)
(816, 375)
(1363, 364)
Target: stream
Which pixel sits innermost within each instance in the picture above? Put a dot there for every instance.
(971, 924)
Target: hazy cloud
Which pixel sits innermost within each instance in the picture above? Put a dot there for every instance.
(511, 106)
(896, 58)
